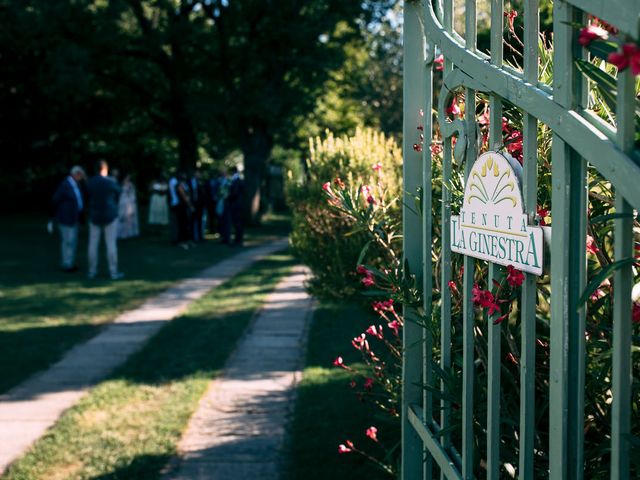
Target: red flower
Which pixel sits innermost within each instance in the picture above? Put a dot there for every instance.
(362, 270)
(395, 326)
(592, 248)
(377, 166)
(635, 313)
(368, 383)
(439, 62)
(372, 433)
(453, 287)
(417, 147)
(590, 33)
(436, 148)
(514, 144)
(454, 108)
(514, 277)
(630, 55)
(371, 200)
(327, 187)
(420, 128)
(511, 15)
(372, 330)
(542, 213)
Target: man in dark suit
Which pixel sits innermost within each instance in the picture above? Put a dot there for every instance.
(235, 202)
(104, 193)
(68, 205)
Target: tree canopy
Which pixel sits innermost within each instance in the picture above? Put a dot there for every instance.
(155, 84)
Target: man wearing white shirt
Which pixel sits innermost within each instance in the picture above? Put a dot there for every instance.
(69, 204)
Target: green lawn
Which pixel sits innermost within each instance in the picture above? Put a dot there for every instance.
(129, 425)
(43, 312)
(327, 412)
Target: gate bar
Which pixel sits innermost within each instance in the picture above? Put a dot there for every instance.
(529, 294)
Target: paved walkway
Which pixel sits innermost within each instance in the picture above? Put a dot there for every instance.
(238, 431)
(29, 409)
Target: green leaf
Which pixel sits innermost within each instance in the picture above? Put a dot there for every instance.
(610, 216)
(602, 275)
(602, 48)
(605, 83)
(363, 252)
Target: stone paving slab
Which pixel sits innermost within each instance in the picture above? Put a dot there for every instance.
(239, 428)
(29, 409)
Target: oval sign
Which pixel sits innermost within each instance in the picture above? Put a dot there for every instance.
(491, 224)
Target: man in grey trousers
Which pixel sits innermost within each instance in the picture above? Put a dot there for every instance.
(68, 205)
(104, 193)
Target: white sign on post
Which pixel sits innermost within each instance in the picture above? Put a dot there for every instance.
(492, 224)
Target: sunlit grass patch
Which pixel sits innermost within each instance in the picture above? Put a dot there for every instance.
(129, 425)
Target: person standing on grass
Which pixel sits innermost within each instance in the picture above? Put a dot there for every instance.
(68, 205)
(235, 202)
(104, 193)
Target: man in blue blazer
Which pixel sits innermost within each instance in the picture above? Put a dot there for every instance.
(68, 205)
(104, 194)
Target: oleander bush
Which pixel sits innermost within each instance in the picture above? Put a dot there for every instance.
(329, 243)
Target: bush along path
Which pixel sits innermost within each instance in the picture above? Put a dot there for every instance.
(28, 410)
(239, 428)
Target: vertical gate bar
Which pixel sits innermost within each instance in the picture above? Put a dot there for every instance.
(568, 268)
(494, 331)
(445, 314)
(413, 100)
(529, 294)
(427, 265)
(468, 373)
(622, 280)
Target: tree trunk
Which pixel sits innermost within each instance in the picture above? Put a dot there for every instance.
(256, 149)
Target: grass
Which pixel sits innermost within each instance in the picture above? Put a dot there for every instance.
(327, 412)
(129, 425)
(44, 312)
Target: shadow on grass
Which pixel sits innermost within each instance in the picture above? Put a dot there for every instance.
(137, 468)
(22, 352)
(327, 411)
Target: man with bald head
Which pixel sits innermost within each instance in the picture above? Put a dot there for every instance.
(68, 205)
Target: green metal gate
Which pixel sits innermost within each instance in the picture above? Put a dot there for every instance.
(578, 140)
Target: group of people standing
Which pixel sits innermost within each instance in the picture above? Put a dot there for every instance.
(189, 204)
(99, 199)
(198, 204)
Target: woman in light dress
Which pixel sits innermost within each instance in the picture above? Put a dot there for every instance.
(159, 205)
(128, 225)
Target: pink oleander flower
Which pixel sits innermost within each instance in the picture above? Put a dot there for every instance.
(436, 148)
(377, 167)
(339, 183)
(597, 294)
(372, 330)
(360, 343)
(439, 62)
(395, 326)
(454, 108)
(342, 448)
(327, 187)
(362, 270)
(417, 147)
(590, 33)
(368, 281)
(421, 112)
(371, 200)
(372, 433)
(453, 287)
(514, 277)
(339, 362)
(368, 383)
(629, 56)
(592, 248)
(510, 16)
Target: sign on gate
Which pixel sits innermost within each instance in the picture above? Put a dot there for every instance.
(492, 224)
